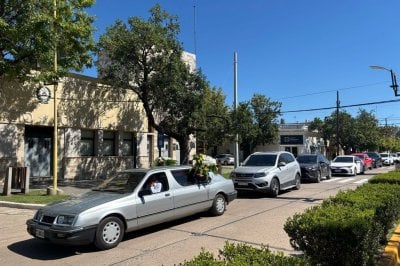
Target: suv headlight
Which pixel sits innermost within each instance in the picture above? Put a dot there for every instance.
(65, 219)
(256, 175)
(233, 174)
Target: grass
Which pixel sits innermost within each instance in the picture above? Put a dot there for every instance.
(36, 196)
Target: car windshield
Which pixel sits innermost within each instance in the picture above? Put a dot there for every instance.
(343, 159)
(373, 155)
(261, 160)
(384, 155)
(307, 159)
(123, 182)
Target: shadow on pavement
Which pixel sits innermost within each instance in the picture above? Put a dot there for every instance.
(41, 250)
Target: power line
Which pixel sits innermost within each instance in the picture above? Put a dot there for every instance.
(342, 106)
(322, 92)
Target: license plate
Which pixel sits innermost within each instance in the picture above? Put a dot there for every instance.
(242, 183)
(40, 233)
(337, 170)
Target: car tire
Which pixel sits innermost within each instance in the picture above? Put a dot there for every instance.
(109, 233)
(297, 180)
(219, 205)
(274, 188)
(225, 163)
(318, 178)
(329, 174)
(354, 171)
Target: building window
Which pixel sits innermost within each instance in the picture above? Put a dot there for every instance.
(127, 144)
(109, 143)
(87, 143)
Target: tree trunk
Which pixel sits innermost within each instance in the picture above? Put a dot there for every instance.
(184, 150)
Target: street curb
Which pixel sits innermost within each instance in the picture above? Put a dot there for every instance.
(391, 254)
(28, 206)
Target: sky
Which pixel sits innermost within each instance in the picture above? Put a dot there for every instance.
(302, 53)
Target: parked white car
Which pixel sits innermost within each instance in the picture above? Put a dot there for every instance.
(387, 158)
(268, 172)
(347, 165)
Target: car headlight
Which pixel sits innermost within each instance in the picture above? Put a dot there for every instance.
(312, 168)
(233, 174)
(256, 175)
(65, 219)
(38, 215)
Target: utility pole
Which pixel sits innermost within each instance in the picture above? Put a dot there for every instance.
(337, 122)
(235, 105)
(55, 134)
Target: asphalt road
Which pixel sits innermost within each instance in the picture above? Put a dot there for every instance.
(251, 219)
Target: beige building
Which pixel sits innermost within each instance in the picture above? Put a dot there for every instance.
(100, 129)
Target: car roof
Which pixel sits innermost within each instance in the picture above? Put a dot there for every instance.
(156, 168)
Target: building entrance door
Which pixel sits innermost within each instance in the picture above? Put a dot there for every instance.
(38, 150)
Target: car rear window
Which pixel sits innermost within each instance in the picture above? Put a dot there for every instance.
(307, 159)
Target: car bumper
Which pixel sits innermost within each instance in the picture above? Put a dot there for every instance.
(262, 186)
(309, 174)
(60, 235)
(342, 171)
(231, 196)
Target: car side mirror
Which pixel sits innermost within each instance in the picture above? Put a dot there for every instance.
(144, 192)
(280, 164)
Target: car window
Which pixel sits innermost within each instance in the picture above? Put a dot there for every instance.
(183, 177)
(260, 160)
(288, 157)
(160, 178)
(343, 159)
(307, 159)
(122, 182)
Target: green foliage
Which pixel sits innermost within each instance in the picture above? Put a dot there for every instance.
(201, 166)
(255, 122)
(349, 228)
(162, 161)
(243, 255)
(30, 33)
(146, 57)
(34, 197)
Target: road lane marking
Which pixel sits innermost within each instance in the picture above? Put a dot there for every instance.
(346, 180)
(333, 179)
(361, 181)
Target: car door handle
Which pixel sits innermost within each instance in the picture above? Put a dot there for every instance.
(167, 194)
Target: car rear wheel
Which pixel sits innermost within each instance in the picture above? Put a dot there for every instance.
(274, 188)
(219, 205)
(109, 233)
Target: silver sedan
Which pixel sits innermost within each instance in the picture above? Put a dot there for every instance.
(129, 201)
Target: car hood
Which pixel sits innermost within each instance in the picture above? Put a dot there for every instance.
(252, 169)
(84, 202)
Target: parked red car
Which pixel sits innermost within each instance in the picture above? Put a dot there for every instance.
(365, 159)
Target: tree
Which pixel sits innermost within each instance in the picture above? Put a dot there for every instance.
(214, 120)
(255, 122)
(30, 33)
(146, 57)
(355, 134)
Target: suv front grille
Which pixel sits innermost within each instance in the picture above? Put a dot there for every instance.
(241, 175)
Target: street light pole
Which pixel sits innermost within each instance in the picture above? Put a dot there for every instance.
(55, 134)
(394, 85)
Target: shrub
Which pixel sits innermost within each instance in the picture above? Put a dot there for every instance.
(335, 234)
(392, 177)
(162, 161)
(243, 255)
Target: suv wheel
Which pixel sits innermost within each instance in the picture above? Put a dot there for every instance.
(298, 181)
(274, 188)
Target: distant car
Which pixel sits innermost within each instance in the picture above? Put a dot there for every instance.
(314, 167)
(347, 165)
(387, 158)
(225, 159)
(395, 158)
(367, 161)
(268, 172)
(125, 203)
(376, 159)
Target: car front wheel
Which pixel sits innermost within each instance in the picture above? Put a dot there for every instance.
(274, 188)
(219, 205)
(318, 178)
(109, 233)
(298, 182)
